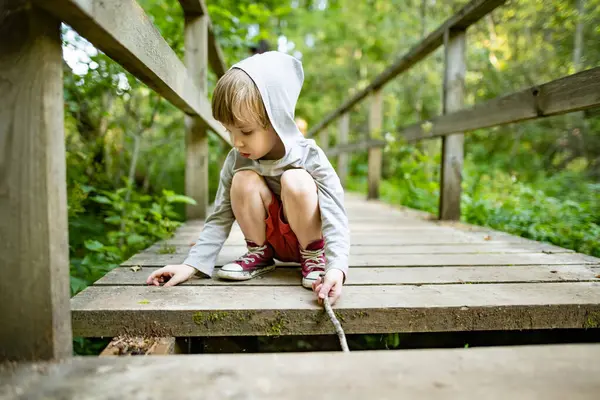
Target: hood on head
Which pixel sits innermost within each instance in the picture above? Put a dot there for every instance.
(279, 79)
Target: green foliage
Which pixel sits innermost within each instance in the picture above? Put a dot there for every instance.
(541, 209)
(131, 222)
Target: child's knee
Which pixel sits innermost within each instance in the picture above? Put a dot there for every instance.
(297, 183)
(248, 183)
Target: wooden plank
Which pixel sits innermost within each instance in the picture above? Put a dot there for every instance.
(122, 30)
(196, 135)
(487, 248)
(387, 276)
(467, 16)
(375, 153)
(453, 145)
(34, 245)
(575, 92)
(342, 160)
(263, 310)
(215, 55)
(395, 260)
(400, 238)
(552, 372)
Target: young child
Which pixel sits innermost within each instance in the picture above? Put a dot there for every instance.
(278, 185)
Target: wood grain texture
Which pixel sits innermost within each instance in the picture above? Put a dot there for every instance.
(386, 276)
(196, 135)
(34, 255)
(455, 46)
(468, 15)
(285, 310)
(552, 372)
(575, 92)
(122, 30)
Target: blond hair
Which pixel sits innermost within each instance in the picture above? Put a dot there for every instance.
(237, 101)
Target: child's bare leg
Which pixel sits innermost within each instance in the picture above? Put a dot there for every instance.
(250, 199)
(301, 205)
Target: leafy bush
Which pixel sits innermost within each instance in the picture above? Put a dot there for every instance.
(130, 222)
(559, 209)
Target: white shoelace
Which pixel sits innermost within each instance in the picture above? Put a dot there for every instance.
(248, 257)
(313, 258)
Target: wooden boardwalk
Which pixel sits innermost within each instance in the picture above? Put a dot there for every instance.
(408, 274)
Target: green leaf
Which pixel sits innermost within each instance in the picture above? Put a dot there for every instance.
(101, 199)
(135, 239)
(93, 245)
(114, 220)
(179, 198)
(77, 284)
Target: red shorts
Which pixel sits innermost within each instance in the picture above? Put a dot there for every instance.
(279, 234)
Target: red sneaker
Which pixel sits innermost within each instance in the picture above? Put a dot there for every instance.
(313, 262)
(257, 261)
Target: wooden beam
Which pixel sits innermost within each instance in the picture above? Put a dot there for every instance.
(555, 371)
(452, 145)
(122, 30)
(342, 161)
(467, 16)
(375, 153)
(34, 246)
(575, 92)
(196, 167)
(215, 55)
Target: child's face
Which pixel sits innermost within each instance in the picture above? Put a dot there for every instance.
(255, 142)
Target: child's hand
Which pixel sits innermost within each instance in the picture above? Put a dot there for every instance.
(332, 286)
(174, 274)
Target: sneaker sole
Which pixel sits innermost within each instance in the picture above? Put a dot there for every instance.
(243, 276)
(307, 283)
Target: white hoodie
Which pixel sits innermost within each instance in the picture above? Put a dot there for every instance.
(279, 78)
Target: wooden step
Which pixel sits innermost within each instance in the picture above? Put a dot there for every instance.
(542, 372)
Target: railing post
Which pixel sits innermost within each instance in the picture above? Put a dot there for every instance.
(324, 140)
(375, 154)
(452, 145)
(35, 311)
(196, 138)
(342, 162)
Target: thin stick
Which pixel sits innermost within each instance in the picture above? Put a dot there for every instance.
(336, 324)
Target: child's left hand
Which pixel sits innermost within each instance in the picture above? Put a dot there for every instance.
(332, 285)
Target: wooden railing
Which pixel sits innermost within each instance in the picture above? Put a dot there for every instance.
(575, 92)
(34, 297)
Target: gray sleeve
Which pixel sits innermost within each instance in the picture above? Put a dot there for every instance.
(203, 254)
(333, 213)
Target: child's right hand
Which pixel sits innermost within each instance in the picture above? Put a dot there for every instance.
(172, 274)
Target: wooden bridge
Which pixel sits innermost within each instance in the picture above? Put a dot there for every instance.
(409, 271)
